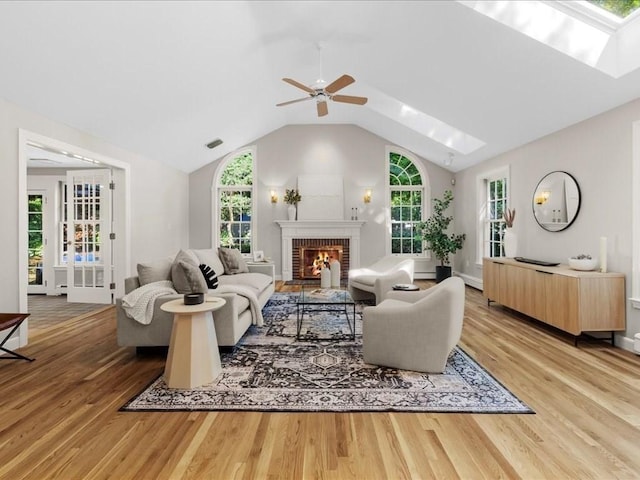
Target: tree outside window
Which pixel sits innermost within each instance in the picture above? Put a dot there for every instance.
(496, 206)
(36, 239)
(235, 196)
(406, 202)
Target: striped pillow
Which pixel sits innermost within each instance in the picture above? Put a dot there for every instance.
(209, 275)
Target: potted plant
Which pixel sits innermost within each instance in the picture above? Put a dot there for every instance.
(434, 233)
(291, 198)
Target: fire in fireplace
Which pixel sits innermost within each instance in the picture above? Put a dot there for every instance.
(313, 259)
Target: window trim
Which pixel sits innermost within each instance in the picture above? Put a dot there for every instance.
(215, 204)
(482, 181)
(426, 197)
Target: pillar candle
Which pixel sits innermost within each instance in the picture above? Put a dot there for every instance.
(335, 274)
(325, 278)
(603, 254)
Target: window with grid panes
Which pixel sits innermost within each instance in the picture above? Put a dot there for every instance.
(406, 204)
(62, 246)
(496, 206)
(36, 238)
(235, 203)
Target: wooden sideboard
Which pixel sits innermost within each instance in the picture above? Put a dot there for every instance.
(571, 300)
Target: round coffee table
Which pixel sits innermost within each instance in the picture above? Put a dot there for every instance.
(193, 358)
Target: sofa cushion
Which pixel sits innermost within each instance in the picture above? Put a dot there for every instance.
(257, 281)
(185, 274)
(210, 257)
(155, 271)
(232, 260)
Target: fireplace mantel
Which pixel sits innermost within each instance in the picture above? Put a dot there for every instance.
(319, 229)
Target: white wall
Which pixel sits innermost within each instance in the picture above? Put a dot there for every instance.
(347, 150)
(159, 196)
(598, 153)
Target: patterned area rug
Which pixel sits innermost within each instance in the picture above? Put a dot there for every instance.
(324, 372)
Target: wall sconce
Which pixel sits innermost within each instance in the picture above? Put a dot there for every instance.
(367, 195)
(274, 196)
(543, 197)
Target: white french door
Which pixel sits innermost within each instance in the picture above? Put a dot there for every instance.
(88, 229)
(37, 241)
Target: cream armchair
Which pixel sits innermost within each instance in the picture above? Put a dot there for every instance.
(376, 280)
(415, 330)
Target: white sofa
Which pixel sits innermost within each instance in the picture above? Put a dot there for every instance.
(415, 330)
(374, 281)
(231, 321)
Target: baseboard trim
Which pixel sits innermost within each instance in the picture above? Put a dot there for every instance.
(424, 276)
(471, 281)
(625, 343)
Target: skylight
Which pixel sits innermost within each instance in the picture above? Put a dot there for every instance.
(425, 124)
(577, 28)
(620, 8)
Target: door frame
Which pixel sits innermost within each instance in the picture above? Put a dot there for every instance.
(122, 260)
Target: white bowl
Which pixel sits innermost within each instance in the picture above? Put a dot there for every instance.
(585, 264)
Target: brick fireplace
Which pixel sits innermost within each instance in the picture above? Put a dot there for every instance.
(309, 255)
(326, 237)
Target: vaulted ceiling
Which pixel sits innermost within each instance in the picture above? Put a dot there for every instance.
(163, 79)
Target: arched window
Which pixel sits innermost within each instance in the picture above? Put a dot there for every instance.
(408, 188)
(234, 201)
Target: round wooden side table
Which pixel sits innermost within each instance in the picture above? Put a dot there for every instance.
(193, 358)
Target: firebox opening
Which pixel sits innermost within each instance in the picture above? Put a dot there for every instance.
(314, 259)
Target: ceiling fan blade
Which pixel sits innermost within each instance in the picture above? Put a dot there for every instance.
(322, 108)
(349, 99)
(339, 84)
(301, 86)
(293, 101)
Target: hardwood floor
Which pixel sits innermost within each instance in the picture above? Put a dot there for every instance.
(59, 416)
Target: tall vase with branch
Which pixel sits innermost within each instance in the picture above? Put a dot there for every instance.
(439, 242)
(291, 198)
(509, 238)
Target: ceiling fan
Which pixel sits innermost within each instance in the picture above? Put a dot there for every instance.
(323, 93)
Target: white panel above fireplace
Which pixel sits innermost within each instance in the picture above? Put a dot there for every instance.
(322, 197)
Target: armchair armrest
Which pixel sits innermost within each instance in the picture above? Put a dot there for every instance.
(410, 296)
(385, 283)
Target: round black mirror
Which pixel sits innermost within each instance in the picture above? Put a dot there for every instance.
(556, 201)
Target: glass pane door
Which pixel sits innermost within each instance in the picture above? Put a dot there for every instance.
(88, 226)
(36, 242)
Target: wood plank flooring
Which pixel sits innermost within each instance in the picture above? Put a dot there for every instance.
(59, 416)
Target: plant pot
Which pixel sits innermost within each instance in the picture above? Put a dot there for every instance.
(442, 273)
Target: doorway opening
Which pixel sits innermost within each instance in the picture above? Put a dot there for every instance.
(45, 158)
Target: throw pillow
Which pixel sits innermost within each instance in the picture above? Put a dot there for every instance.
(232, 260)
(155, 271)
(185, 274)
(209, 276)
(193, 280)
(209, 256)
